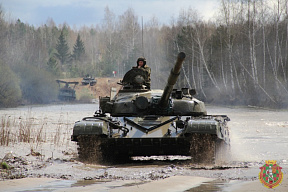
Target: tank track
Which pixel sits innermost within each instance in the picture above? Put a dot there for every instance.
(89, 148)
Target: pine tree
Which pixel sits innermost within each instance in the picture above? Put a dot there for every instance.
(62, 49)
(78, 49)
(53, 67)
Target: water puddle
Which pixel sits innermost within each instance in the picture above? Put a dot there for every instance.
(51, 186)
(84, 183)
(215, 186)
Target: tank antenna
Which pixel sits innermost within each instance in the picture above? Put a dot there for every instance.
(142, 39)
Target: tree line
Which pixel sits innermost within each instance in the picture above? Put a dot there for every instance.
(238, 59)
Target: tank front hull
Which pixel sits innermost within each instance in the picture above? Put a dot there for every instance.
(101, 140)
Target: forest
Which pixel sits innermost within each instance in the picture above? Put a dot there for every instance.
(239, 58)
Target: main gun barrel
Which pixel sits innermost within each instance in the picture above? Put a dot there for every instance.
(172, 80)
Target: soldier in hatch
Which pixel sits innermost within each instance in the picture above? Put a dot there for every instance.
(141, 63)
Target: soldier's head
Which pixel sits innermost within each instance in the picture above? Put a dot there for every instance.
(141, 61)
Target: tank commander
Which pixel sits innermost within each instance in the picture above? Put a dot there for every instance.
(141, 63)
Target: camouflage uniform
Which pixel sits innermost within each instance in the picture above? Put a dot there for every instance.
(147, 69)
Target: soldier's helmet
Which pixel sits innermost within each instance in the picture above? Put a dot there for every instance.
(141, 59)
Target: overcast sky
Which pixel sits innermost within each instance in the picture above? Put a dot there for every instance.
(91, 12)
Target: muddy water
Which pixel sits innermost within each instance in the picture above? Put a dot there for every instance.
(256, 135)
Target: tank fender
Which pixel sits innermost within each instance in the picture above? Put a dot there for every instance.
(209, 126)
(84, 127)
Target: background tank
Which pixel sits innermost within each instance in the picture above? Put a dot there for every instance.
(88, 80)
(66, 93)
(138, 121)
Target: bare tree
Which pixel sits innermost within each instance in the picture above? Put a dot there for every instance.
(130, 38)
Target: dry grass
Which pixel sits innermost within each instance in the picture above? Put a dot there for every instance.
(14, 130)
(5, 131)
(17, 129)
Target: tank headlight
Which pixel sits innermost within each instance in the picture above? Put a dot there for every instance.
(180, 124)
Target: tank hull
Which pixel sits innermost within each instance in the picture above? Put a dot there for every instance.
(101, 141)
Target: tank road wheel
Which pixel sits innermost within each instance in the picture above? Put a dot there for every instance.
(202, 148)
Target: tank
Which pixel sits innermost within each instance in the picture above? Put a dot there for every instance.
(66, 93)
(88, 80)
(138, 121)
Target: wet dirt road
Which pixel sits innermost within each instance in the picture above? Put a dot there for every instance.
(256, 135)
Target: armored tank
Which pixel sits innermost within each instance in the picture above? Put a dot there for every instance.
(88, 80)
(66, 93)
(138, 121)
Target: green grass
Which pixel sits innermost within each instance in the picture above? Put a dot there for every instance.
(4, 165)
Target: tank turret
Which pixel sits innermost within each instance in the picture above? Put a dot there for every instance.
(135, 98)
(139, 121)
